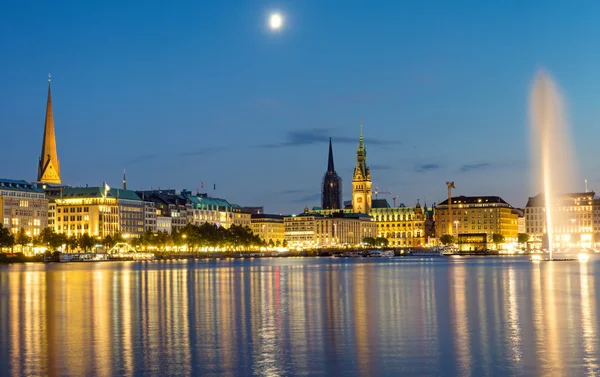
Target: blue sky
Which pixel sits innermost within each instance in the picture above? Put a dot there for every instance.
(193, 92)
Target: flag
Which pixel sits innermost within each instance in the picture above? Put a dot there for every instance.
(106, 188)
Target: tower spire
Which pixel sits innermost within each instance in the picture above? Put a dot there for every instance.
(49, 165)
(124, 180)
(330, 167)
(361, 141)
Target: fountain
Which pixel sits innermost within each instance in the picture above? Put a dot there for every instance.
(554, 172)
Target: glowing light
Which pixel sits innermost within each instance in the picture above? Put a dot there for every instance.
(536, 258)
(275, 21)
(583, 257)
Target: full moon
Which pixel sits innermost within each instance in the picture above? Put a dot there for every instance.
(275, 21)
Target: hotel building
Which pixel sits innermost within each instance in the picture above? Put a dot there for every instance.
(476, 219)
(401, 226)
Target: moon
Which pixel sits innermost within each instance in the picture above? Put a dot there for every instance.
(275, 21)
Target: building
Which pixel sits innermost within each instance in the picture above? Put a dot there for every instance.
(361, 180)
(169, 203)
(576, 219)
(131, 212)
(210, 210)
(476, 219)
(23, 206)
(401, 226)
(331, 196)
(48, 164)
(521, 228)
(87, 210)
(254, 210)
(301, 230)
(241, 217)
(341, 229)
(163, 224)
(313, 229)
(149, 216)
(269, 228)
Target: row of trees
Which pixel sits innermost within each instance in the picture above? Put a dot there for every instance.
(192, 236)
(379, 241)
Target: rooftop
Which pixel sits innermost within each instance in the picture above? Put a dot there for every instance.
(475, 200)
(11, 184)
(98, 192)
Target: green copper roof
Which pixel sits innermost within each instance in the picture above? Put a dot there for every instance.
(10, 184)
(98, 192)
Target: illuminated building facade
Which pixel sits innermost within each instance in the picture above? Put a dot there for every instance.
(241, 217)
(476, 219)
(331, 197)
(269, 228)
(164, 224)
(149, 216)
(401, 226)
(23, 206)
(87, 210)
(210, 210)
(168, 203)
(577, 219)
(361, 180)
(312, 229)
(49, 165)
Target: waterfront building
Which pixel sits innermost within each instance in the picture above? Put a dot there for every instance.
(313, 229)
(210, 210)
(476, 220)
(131, 212)
(269, 228)
(169, 203)
(361, 180)
(49, 164)
(23, 206)
(254, 210)
(240, 216)
(577, 218)
(163, 224)
(88, 210)
(401, 226)
(149, 216)
(331, 196)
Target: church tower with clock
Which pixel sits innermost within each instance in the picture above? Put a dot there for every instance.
(361, 181)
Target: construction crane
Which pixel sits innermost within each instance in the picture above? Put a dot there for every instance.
(377, 192)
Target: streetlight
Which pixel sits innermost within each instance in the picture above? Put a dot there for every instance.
(186, 245)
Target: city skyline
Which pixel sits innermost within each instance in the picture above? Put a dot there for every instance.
(418, 135)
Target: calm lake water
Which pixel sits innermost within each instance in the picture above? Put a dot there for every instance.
(300, 317)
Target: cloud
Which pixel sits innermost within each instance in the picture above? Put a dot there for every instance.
(308, 199)
(470, 167)
(312, 136)
(427, 167)
(201, 152)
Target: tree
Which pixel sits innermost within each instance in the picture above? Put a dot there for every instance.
(86, 242)
(6, 239)
(369, 241)
(497, 238)
(447, 239)
(22, 238)
(381, 241)
(523, 237)
(72, 242)
(108, 242)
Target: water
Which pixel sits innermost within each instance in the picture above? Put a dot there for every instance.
(301, 316)
(552, 152)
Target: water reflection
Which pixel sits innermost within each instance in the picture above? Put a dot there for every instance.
(274, 317)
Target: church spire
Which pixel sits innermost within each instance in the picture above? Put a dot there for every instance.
(330, 168)
(124, 180)
(49, 166)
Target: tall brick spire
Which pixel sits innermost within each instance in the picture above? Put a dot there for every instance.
(49, 166)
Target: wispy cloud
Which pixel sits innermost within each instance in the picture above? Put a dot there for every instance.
(298, 138)
(427, 167)
(308, 199)
(201, 152)
(471, 167)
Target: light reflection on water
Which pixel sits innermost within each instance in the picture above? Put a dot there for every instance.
(274, 317)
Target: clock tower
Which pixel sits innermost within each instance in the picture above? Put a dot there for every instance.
(361, 181)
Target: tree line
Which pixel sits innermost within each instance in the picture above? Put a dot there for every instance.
(192, 236)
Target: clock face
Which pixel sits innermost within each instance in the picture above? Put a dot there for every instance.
(359, 200)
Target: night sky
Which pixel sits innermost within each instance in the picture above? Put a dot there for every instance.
(205, 92)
